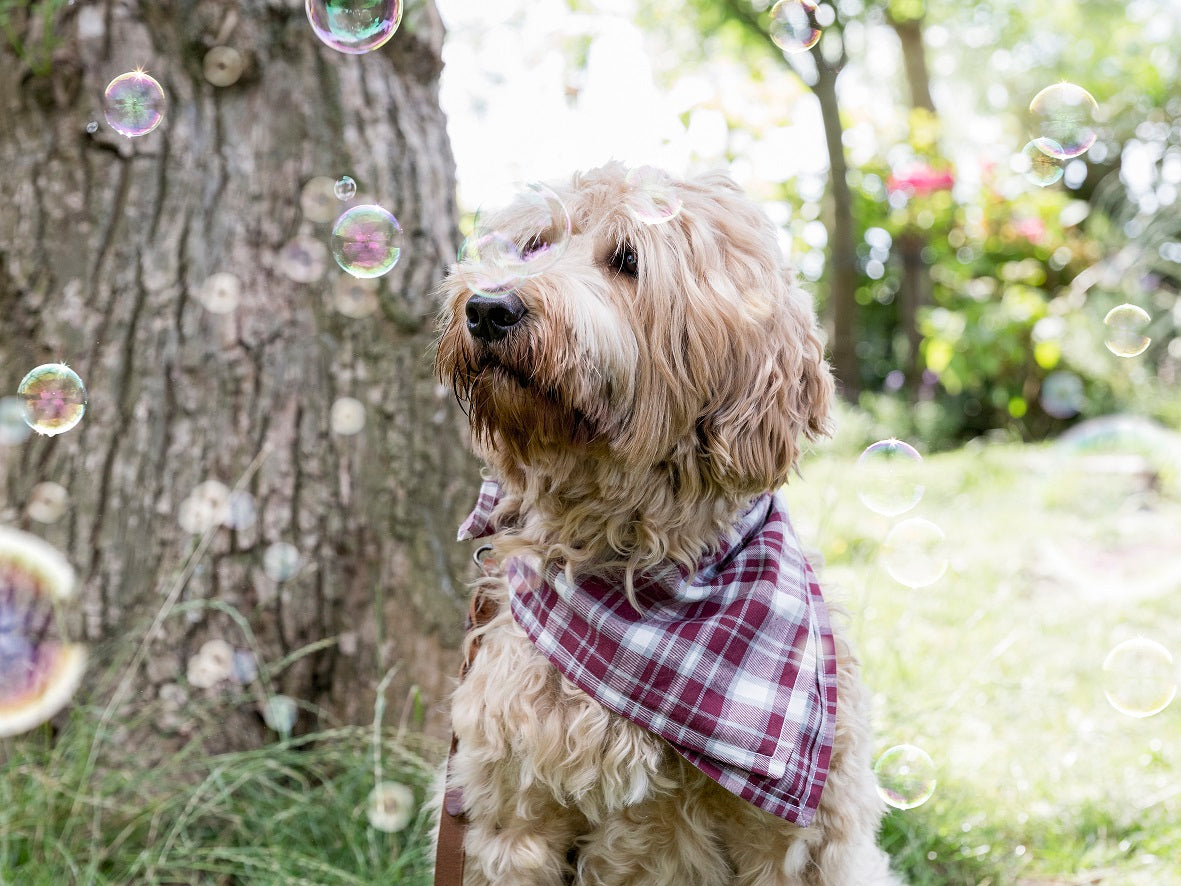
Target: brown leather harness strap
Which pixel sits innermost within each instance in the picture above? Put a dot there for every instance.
(449, 854)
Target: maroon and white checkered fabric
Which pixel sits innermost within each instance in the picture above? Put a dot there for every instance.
(734, 665)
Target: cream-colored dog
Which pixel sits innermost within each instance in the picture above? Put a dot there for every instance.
(633, 390)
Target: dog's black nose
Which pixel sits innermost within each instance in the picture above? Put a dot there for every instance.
(490, 317)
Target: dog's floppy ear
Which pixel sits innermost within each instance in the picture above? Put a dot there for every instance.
(775, 387)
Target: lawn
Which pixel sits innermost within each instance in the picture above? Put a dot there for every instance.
(1055, 554)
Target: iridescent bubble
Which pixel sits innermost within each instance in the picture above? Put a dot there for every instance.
(1124, 335)
(1037, 166)
(793, 25)
(54, 398)
(367, 241)
(390, 807)
(222, 65)
(347, 416)
(317, 200)
(1139, 677)
(906, 776)
(354, 26)
(220, 293)
(345, 188)
(516, 242)
(281, 561)
(279, 714)
(14, 430)
(47, 502)
(134, 104)
(1063, 394)
(354, 297)
(915, 553)
(92, 127)
(653, 199)
(39, 671)
(887, 477)
(1064, 115)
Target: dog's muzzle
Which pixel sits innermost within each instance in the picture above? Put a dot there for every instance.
(490, 317)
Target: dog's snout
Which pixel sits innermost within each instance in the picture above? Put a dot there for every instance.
(490, 317)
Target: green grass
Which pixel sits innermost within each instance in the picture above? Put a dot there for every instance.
(292, 812)
(995, 670)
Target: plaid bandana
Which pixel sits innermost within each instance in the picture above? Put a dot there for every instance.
(734, 666)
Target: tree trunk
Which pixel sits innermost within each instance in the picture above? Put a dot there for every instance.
(914, 60)
(843, 254)
(105, 244)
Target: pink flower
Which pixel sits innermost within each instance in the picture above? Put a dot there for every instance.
(921, 179)
(1032, 229)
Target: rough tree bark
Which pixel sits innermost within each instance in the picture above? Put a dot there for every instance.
(105, 243)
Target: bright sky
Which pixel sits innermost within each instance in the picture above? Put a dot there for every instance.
(521, 108)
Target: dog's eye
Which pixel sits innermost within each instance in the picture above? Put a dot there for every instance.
(535, 244)
(625, 261)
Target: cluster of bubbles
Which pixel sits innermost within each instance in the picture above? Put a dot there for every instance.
(390, 807)
(1139, 677)
(888, 479)
(134, 103)
(39, 670)
(794, 25)
(905, 776)
(212, 504)
(1063, 116)
(354, 26)
(53, 398)
(509, 245)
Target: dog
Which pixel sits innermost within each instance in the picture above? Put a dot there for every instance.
(658, 697)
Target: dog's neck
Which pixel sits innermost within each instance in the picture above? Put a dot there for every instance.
(582, 513)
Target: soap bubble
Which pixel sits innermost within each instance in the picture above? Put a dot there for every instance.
(347, 416)
(134, 104)
(222, 65)
(906, 776)
(14, 430)
(354, 26)
(390, 807)
(915, 553)
(92, 127)
(220, 293)
(1063, 394)
(886, 477)
(39, 671)
(1139, 678)
(244, 667)
(354, 297)
(520, 241)
(367, 241)
(345, 188)
(652, 199)
(240, 511)
(279, 714)
(281, 561)
(47, 502)
(1125, 325)
(793, 25)
(1064, 117)
(54, 398)
(1038, 166)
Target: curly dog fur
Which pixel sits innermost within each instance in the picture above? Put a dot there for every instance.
(661, 376)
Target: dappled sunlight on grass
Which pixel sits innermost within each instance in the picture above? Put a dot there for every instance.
(996, 668)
